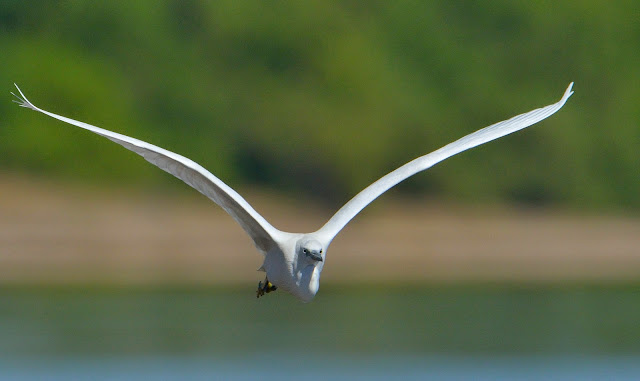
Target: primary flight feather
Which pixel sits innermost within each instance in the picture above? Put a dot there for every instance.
(294, 261)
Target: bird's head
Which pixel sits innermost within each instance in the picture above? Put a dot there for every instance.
(312, 250)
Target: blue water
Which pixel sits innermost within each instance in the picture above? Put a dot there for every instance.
(412, 332)
(289, 367)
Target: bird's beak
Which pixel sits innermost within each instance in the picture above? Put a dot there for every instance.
(315, 256)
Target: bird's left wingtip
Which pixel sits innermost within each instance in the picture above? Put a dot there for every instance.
(568, 92)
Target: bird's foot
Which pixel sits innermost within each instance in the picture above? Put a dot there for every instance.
(260, 291)
(265, 289)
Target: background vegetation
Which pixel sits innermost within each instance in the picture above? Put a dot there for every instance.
(323, 97)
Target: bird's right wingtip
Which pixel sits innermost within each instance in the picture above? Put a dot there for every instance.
(21, 100)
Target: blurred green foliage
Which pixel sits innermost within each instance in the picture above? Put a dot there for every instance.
(323, 97)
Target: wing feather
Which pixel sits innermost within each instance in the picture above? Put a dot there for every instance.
(495, 131)
(262, 233)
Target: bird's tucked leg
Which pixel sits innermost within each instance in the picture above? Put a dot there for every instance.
(265, 288)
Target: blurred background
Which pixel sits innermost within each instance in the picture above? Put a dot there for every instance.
(521, 257)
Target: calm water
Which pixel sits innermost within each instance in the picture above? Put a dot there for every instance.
(413, 331)
(347, 367)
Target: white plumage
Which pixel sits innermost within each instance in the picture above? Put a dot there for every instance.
(294, 261)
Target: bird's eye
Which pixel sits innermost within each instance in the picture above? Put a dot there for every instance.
(304, 251)
(320, 251)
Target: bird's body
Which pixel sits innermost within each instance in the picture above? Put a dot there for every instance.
(294, 261)
(288, 267)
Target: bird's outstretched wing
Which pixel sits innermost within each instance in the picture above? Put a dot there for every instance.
(495, 131)
(262, 233)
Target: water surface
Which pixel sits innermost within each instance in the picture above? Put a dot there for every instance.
(446, 332)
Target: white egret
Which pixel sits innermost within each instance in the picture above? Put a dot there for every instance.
(294, 261)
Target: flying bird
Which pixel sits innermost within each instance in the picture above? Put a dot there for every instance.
(294, 261)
